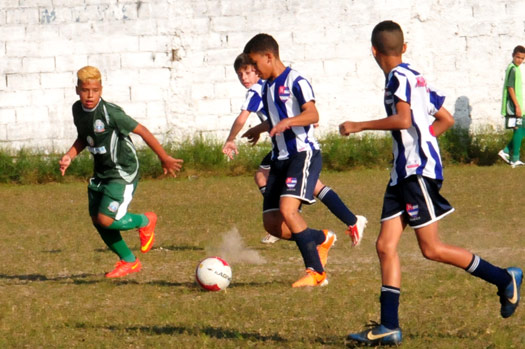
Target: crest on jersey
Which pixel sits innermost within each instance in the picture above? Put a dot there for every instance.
(420, 82)
(99, 126)
(90, 141)
(284, 93)
(113, 206)
(291, 182)
(413, 211)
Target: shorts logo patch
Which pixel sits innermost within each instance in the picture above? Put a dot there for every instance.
(99, 126)
(291, 182)
(113, 206)
(90, 141)
(284, 93)
(413, 211)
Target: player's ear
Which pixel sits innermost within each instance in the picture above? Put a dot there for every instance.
(374, 52)
(404, 48)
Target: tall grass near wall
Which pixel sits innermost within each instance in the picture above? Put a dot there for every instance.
(205, 157)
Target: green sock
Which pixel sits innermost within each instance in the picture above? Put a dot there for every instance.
(114, 241)
(130, 221)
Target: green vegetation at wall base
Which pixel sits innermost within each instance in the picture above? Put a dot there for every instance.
(205, 158)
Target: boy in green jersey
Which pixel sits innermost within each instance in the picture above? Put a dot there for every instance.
(103, 128)
(512, 107)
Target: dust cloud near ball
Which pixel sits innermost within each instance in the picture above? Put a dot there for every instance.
(233, 249)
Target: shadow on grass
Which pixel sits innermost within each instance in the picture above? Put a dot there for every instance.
(213, 332)
(40, 277)
(155, 249)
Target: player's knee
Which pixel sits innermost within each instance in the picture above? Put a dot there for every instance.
(102, 220)
(385, 248)
(431, 253)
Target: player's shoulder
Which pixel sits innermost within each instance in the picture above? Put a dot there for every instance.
(112, 107)
(77, 106)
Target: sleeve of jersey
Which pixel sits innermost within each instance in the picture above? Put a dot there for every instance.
(125, 123)
(253, 102)
(303, 91)
(511, 79)
(400, 88)
(437, 98)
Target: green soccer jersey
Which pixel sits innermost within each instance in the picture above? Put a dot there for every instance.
(512, 79)
(106, 130)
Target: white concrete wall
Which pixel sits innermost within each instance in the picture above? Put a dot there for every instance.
(169, 63)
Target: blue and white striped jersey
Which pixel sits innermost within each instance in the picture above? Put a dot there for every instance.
(253, 101)
(416, 150)
(283, 98)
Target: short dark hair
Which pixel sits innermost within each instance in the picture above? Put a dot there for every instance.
(518, 49)
(242, 60)
(387, 38)
(262, 43)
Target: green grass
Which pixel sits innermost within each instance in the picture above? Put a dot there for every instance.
(54, 294)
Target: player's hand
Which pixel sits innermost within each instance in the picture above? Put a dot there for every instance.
(282, 126)
(348, 127)
(252, 136)
(64, 163)
(171, 165)
(230, 149)
(518, 111)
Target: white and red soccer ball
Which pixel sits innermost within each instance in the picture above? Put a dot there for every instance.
(213, 274)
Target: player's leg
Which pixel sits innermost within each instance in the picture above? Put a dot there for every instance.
(128, 263)
(261, 178)
(301, 177)
(356, 224)
(431, 207)
(517, 138)
(113, 213)
(393, 223)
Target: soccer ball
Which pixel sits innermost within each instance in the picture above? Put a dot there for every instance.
(213, 274)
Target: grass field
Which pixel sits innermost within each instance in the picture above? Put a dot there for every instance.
(54, 294)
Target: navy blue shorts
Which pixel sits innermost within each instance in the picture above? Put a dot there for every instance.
(417, 198)
(266, 162)
(295, 177)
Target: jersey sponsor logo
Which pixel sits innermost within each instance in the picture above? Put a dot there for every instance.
(291, 182)
(113, 206)
(413, 211)
(420, 81)
(284, 93)
(97, 150)
(99, 126)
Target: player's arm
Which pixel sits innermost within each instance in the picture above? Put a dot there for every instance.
(400, 121)
(229, 147)
(308, 116)
(512, 96)
(169, 164)
(444, 121)
(254, 133)
(75, 149)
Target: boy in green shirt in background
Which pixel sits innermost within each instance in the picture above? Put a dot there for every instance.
(511, 107)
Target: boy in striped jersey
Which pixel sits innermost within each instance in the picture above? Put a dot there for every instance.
(412, 195)
(253, 104)
(289, 103)
(103, 128)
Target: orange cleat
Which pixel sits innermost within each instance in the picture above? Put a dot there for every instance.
(312, 278)
(147, 233)
(323, 249)
(123, 268)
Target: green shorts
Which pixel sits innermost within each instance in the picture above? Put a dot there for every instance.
(110, 198)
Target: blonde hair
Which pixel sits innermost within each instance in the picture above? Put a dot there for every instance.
(88, 73)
